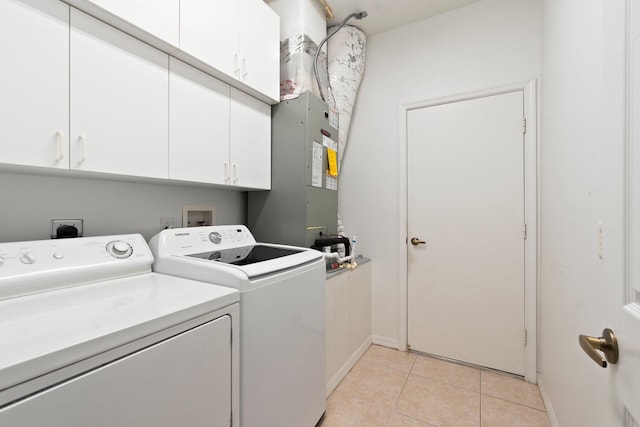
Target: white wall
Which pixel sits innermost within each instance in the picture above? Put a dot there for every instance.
(487, 44)
(582, 184)
(29, 202)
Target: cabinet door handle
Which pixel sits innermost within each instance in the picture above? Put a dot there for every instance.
(227, 178)
(235, 172)
(245, 67)
(81, 140)
(59, 136)
(236, 64)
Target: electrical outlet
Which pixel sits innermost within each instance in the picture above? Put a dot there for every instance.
(57, 223)
(166, 223)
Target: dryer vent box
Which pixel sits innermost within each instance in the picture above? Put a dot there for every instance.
(198, 215)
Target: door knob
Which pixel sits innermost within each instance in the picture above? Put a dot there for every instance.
(607, 343)
(415, 241)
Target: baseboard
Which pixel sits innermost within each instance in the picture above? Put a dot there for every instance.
(335, 381)
(385, 341)
(547, 404)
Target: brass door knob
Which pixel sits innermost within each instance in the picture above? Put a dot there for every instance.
(607, 343)
(415, 241)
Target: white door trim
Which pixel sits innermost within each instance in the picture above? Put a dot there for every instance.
(531, 213)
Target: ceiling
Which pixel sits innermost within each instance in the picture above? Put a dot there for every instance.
(385, 15)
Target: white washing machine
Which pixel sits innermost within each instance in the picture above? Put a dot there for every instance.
(282, 310)
(89, 336)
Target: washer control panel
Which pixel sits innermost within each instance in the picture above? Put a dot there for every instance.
(36, 266)
(186, 241)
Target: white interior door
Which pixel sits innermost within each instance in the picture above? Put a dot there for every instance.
(466, 201)
(626, 319)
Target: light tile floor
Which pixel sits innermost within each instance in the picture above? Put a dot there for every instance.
(390, 388)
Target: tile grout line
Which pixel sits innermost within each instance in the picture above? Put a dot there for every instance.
(395, 404)
(516, 403)
(446, 383)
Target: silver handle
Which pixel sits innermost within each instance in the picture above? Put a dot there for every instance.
(236, 65)
(235, 172)
(245, 67)
(81, 140)
(59, 136)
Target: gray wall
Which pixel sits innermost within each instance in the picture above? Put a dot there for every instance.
(29, 202)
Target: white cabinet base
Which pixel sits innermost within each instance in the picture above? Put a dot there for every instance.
(348, 322)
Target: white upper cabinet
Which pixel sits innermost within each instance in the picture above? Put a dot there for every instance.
(119, 101)
(239, 38)
(259, 47)
(209, 32)
(250, 155)
(198, 125)
(34, 88)
(160, 18)
(218, 135)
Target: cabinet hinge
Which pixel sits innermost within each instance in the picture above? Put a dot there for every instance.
(525, 337)
(524, 231)
(524, 125)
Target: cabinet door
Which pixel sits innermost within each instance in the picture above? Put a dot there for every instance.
(198, 125)
(34, 88)
(209, 32)
(359, 306)
(183, 381)
(162, 19)
(119, 101)
(250, 141)
(260, 47)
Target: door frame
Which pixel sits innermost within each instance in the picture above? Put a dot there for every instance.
(531, 166)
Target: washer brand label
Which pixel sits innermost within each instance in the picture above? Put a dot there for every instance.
(181, 234)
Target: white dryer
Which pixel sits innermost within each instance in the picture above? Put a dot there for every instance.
(282, 316)
(89, 336)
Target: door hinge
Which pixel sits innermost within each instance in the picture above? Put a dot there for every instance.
(524, 231)
(524, 125)
(525, 337)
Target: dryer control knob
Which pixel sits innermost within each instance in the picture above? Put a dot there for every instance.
(119, 249)
(28, 258)
(215, 237)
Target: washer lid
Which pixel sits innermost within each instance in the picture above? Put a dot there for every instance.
(226, 249)
(247, 255)
(46, 331)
